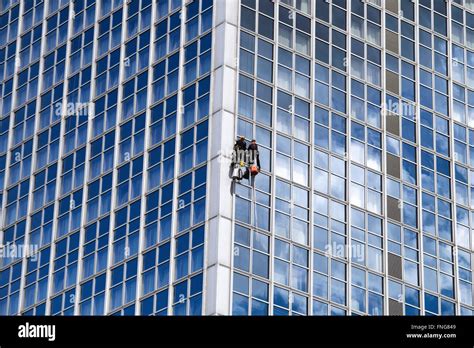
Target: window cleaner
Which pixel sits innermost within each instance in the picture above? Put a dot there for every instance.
(239, 158)
(253, 158)
(240, 144)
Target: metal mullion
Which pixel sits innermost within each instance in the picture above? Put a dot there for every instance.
(449, 44)
(85, 189)
(418, 165)
(208, 164)
(64, 106)
(11, 115)
(347, 157)
(383, 125)
(312, 93)
(179, 112)
(8, 159)
(110, 251)
(141, 242)
(273, 159)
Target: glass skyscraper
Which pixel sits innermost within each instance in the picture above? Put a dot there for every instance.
(117, 122)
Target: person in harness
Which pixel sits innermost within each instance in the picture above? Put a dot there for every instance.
(240, 144)
(239, 157)
(253, 157)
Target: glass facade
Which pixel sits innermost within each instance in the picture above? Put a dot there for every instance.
(104, 138)
(364, 112)
(116, 118)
